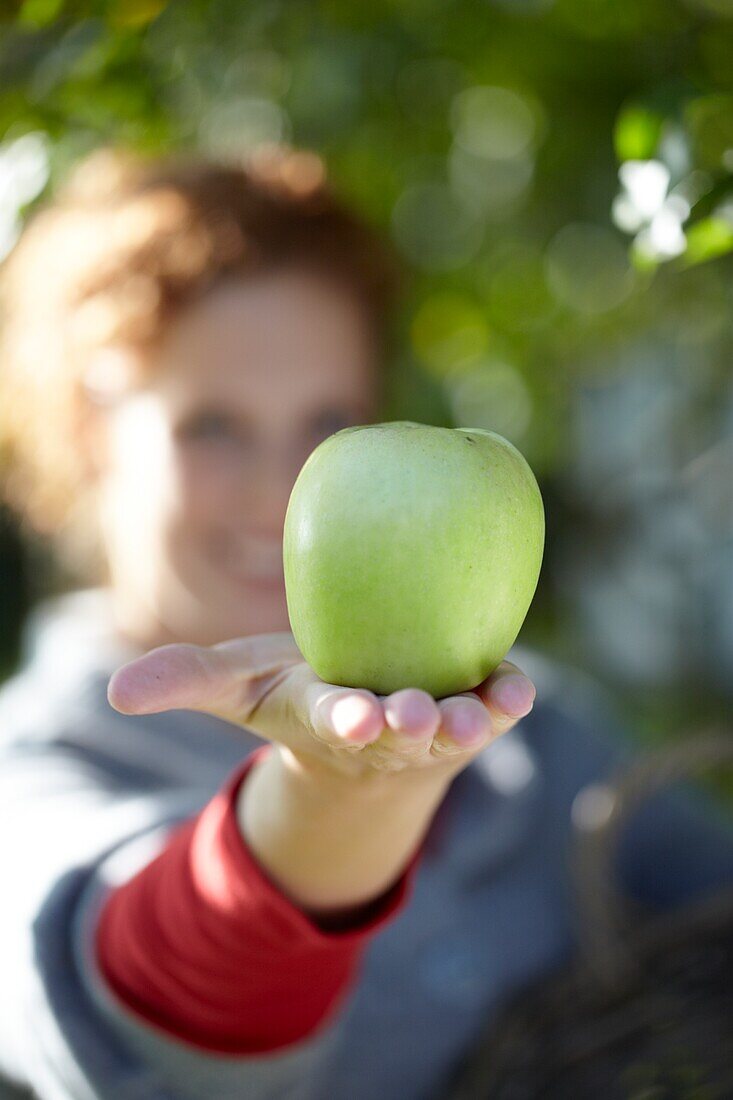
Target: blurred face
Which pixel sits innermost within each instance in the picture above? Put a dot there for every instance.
(198, 464)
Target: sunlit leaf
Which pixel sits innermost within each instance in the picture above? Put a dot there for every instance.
(39, 13)
(135, 13)
(707, 240)
(637, 132)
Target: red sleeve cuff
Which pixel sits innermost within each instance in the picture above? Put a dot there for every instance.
(204, 946)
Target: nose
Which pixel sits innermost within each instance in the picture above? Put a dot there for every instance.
(269, 486)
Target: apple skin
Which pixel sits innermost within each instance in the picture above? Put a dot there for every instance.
(411, 556)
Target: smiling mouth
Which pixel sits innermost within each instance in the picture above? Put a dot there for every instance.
(263, 582)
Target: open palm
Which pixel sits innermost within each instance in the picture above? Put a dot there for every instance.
(262, 683)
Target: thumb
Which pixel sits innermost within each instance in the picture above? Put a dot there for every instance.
(226, 680)
(508, 695)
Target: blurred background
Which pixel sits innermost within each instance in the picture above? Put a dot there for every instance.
(558, 174)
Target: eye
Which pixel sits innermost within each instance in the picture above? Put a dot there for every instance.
(208, 426)
(331, 420)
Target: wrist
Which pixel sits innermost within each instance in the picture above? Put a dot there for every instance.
(328, 840)
(335, 779)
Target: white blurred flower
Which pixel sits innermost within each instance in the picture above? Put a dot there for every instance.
(645, 183)
(24, 168)
(664, 237)
(646, 208)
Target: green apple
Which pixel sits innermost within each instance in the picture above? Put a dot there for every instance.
(411, 556)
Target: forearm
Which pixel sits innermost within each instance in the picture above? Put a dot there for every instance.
(202, 944)
(329, 841)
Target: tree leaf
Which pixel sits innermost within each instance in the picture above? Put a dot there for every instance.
(636, 134)
(708, 239)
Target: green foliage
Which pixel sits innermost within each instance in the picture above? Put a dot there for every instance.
(485, 137)
(637, 133)
(557, 173)
(708, 239)
(39, 13)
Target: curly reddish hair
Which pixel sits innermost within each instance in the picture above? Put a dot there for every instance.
(127, 244)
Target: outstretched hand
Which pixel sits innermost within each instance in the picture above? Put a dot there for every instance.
(262, 683)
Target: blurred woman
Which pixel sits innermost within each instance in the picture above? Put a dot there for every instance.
(223, 877)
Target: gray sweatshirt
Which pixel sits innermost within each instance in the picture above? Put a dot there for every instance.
(88, 797)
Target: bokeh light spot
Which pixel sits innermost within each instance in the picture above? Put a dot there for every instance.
(449, 331)
(434, 229)
(243, 123)
(493, 188)
(491, 395)
(588, 269)
(493, 122)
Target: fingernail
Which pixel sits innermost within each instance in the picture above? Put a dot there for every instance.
(348, 713)
(414, 718)
(468, 727)
(514, 695)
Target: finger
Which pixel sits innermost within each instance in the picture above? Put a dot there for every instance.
(344, 717)
(412, 715)
(412, 719)
(465, 725)
(226, 680)
(508, 696)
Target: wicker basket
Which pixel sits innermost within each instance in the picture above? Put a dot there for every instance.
(646, 1012)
